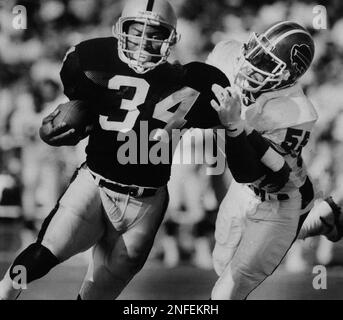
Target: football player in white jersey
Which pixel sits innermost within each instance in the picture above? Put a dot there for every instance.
(255, 228)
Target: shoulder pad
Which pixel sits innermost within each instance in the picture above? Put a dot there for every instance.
(282, 111)
(98, 54)
(225, 57)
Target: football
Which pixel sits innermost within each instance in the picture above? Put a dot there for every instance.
(76, 114)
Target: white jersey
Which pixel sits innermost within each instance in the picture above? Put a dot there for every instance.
(284, 117)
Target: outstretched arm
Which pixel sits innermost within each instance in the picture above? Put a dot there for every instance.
(250, 157)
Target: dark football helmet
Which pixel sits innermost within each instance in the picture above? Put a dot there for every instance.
(276, 58)
(150, 13)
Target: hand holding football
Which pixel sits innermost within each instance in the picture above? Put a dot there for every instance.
(67, 125)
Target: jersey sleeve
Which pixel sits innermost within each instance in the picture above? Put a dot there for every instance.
(267, 154)
(76, 85)
(71, 75)
(247, 158)
(201, 77)
(243, 159)
(88, 67)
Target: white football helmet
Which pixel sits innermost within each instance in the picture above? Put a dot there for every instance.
(149, 13)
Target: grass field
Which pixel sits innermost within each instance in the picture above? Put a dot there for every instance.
(184, 282)
(156, 282)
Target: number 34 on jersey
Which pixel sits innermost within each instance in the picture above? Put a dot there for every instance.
(185, 97)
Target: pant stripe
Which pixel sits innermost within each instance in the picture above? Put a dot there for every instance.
(300, 223)
(48, 219)
(307, 193)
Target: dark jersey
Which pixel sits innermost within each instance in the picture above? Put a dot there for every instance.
(169, 97)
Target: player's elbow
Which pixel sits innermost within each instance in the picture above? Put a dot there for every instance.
(275, 181)
(245, 169)
(245, 178)
(248, 175)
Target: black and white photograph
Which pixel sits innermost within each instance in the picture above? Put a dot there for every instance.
(173, 150)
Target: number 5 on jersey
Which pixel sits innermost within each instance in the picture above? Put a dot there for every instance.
(295, 140)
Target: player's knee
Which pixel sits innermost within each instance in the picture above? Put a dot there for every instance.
(247, 277)
(136, 259)
(120, 271)
(37, 261)
(224, 286)
(234, 284)
(222, 256)
(218, 267)
(131, 260)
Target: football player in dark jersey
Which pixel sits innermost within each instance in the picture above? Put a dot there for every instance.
(112, 205)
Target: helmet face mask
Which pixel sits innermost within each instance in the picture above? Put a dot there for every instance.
(275, 59)
(259, 68)
(139, 58)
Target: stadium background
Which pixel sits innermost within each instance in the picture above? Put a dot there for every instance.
(32, 175)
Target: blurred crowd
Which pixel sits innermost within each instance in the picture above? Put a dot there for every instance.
(33, 175)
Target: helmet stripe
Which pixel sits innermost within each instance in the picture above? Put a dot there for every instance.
(286, 34)
(275, 26)
(150, 5)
